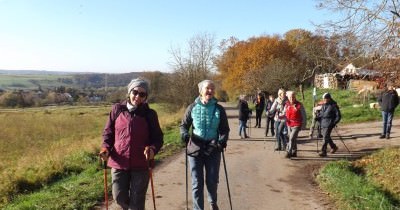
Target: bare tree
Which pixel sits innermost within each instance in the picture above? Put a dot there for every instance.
(375, 24)
(191, 67)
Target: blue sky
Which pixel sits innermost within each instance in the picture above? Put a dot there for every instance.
(119, 36)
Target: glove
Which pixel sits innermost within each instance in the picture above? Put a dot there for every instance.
(149, 152)
(221, 145)
(185, 138)
(104, 154)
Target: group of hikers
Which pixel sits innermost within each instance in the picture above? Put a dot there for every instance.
(286, 117)
(133, 136)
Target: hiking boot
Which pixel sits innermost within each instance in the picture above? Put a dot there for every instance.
(288, 155)
(382, 136)
(214, 206)
(333, 150)
(247, 137)
(322, 154)
(388, 136)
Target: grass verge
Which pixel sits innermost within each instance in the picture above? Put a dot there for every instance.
(354, 185)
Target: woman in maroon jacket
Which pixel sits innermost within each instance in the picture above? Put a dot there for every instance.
(296, 120)
(131, 138)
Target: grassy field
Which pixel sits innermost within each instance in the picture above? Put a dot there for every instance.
(30, 82)
(51, 154)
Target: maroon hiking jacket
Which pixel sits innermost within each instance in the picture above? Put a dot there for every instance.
(126, 134)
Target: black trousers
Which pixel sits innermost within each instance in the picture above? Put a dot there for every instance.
(258, 117)
(270, 123)
(326, 133)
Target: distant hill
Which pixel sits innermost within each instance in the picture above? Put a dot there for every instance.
(35, 72)
(32, 79)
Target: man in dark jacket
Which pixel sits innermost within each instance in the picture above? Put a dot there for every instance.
(388, 100)
(270, 115)
(244, 113)
(329, 116)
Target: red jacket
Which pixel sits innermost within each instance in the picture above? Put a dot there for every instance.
(126, 134)
(294, 114)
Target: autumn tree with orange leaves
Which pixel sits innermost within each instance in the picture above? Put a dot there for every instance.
(243, 60)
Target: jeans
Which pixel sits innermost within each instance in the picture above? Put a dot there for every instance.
(129, 188)
(211, 165)
(387, 122)
(280, 134)
(242, 127)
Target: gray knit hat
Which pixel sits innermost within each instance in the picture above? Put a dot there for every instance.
(138, 83)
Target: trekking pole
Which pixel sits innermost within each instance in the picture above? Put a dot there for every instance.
(186, 170)
(105, 179)
(341, 139)
(151, 183)
(250, 126)
(227, 182)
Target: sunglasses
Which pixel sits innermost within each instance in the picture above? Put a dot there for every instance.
(141, 94)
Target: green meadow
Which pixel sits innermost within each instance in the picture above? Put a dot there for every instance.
(11, 82)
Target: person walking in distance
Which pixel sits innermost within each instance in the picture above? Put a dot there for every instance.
(131, 138)
(208, 123)
(270, 116)
(296, 120)
(243, 116)
(388, 101)
(259, 103)
(280, 119)
(329, 117)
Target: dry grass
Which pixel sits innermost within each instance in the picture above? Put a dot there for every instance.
(37, 145)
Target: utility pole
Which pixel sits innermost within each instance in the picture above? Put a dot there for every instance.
(105, 82)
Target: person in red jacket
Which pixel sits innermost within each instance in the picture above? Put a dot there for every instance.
(131, 138)
(296, 120)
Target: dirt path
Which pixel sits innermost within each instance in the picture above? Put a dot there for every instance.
(262, 179)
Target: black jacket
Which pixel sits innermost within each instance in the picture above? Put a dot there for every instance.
(388, 100)
(329, 115)
(243, 110)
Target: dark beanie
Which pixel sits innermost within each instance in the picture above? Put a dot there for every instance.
(326, 96)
